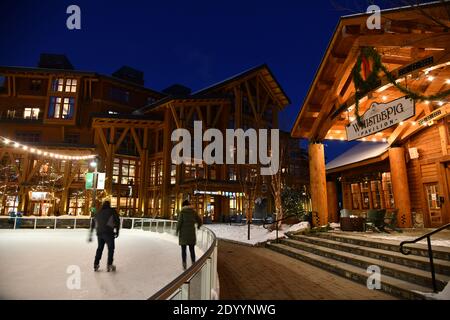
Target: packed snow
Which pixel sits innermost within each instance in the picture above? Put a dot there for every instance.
(258, 234)
(443, 295)
(435, 242)
(35, 264)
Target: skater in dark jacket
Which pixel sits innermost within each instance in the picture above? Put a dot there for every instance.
(186, 230)
(107, 223)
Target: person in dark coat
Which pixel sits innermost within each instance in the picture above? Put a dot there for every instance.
(107, 223)
(186, 230)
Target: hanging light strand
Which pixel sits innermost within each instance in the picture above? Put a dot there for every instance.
(43, 153)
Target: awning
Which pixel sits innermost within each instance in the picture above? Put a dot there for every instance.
(361, 152)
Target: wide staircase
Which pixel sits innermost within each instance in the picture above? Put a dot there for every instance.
(349, 256)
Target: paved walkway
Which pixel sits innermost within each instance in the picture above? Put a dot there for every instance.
(253, 273)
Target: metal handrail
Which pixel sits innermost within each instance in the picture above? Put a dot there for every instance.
(428, 235)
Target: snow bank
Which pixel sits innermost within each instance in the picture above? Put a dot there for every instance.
(258, 234)
(35, 264)
(443, 295)
(442, 243)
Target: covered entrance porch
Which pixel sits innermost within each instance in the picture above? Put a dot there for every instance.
(395, 103)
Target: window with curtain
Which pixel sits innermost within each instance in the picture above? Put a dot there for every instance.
(61, 108)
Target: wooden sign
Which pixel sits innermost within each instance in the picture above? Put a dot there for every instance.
(381, 116)
(435, 115)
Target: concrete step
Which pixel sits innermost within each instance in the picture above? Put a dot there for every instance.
(397, 271)
(390, 285)
(413, 261)
(417, 249)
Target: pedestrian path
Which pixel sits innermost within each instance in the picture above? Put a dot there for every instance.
(259, 273)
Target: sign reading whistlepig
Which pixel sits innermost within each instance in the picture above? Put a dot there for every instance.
(381, 116)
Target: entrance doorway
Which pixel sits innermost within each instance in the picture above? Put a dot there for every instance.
(434, 203)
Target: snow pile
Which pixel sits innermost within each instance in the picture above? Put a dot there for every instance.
(304, 225)
(258, 234)
(441, 242)
(334, 225)
(36, 264)
(443, 295)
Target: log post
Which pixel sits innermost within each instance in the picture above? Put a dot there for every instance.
(318, 184)
(400, 186)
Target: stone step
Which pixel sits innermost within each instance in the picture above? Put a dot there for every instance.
(417, 249)
(400, 272)
(390, 285)
(413, 261)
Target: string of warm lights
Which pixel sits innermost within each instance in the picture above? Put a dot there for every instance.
(43, 153)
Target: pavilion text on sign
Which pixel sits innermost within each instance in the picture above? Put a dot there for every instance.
(381, 116)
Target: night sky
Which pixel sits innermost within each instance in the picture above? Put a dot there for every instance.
(194, 43)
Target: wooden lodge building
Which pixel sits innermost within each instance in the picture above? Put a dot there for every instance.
(405, 164)
(56, 112)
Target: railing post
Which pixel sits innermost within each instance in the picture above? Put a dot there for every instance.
(75, 223)
(35, 220)
(132, 223)
(54, 226)
(15, 222)
(430, 254)
(142, 224)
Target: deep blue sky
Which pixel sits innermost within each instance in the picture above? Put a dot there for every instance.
(192, 42)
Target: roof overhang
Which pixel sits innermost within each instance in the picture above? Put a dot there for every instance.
(407, 36)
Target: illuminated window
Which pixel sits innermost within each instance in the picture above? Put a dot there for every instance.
(58, 85)
(71, 85)
(77, 202)
(173, 173)
(61, 108)
(31, 113)
(124, 171)
(387, 190)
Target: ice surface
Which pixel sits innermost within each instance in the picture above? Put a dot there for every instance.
(34, 264)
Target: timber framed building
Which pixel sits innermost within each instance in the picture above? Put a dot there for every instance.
(61, 110)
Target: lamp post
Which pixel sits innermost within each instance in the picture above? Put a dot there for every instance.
(93, 164)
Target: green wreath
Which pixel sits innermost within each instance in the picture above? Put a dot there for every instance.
(363, 87)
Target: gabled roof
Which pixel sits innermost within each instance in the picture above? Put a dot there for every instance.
(332, 85)
(80, 73)
(265, 72)
(361, 152)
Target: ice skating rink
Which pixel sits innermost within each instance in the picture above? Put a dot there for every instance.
(34, 264)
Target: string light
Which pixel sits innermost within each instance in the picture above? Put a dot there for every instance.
(24, 147)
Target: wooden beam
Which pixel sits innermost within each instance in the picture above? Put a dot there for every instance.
(436, 40)
(216, 118)
(136, 141)
(250, 100)
(102, 137)
(119, 142)
(175, 116)
(33, 170)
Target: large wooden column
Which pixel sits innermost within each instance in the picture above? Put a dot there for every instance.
(332, 201)
(318, 184)
(400, 186)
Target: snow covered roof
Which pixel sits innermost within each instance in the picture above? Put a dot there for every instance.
(360, 152)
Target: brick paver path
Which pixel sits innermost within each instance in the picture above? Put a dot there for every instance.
(259, 273)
